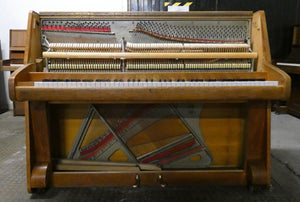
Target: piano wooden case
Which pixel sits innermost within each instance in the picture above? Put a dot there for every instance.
(147, 98)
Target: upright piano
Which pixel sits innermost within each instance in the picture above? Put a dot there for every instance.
(147, 98)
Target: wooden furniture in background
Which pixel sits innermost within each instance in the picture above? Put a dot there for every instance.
(16, 59)
(234, 119)
(291, 65)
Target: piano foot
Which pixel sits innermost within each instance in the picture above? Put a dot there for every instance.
(39, 176)
(258, 174)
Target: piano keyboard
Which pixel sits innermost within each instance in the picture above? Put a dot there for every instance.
(137, 83)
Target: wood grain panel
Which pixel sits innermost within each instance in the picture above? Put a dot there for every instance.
(161, 130)
(96, 128)
(222, 126)
(33, 40)
(65, 123)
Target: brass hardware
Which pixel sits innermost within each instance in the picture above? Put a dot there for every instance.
(137, 181)
(161, 181)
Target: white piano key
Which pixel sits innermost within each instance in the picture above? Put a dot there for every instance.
(125, 84)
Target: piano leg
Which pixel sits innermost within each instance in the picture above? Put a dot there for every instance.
(37, 145)
(258, 143)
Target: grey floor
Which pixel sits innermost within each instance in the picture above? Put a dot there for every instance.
(285, 173)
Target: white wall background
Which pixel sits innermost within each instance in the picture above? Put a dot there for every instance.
(14, 14)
